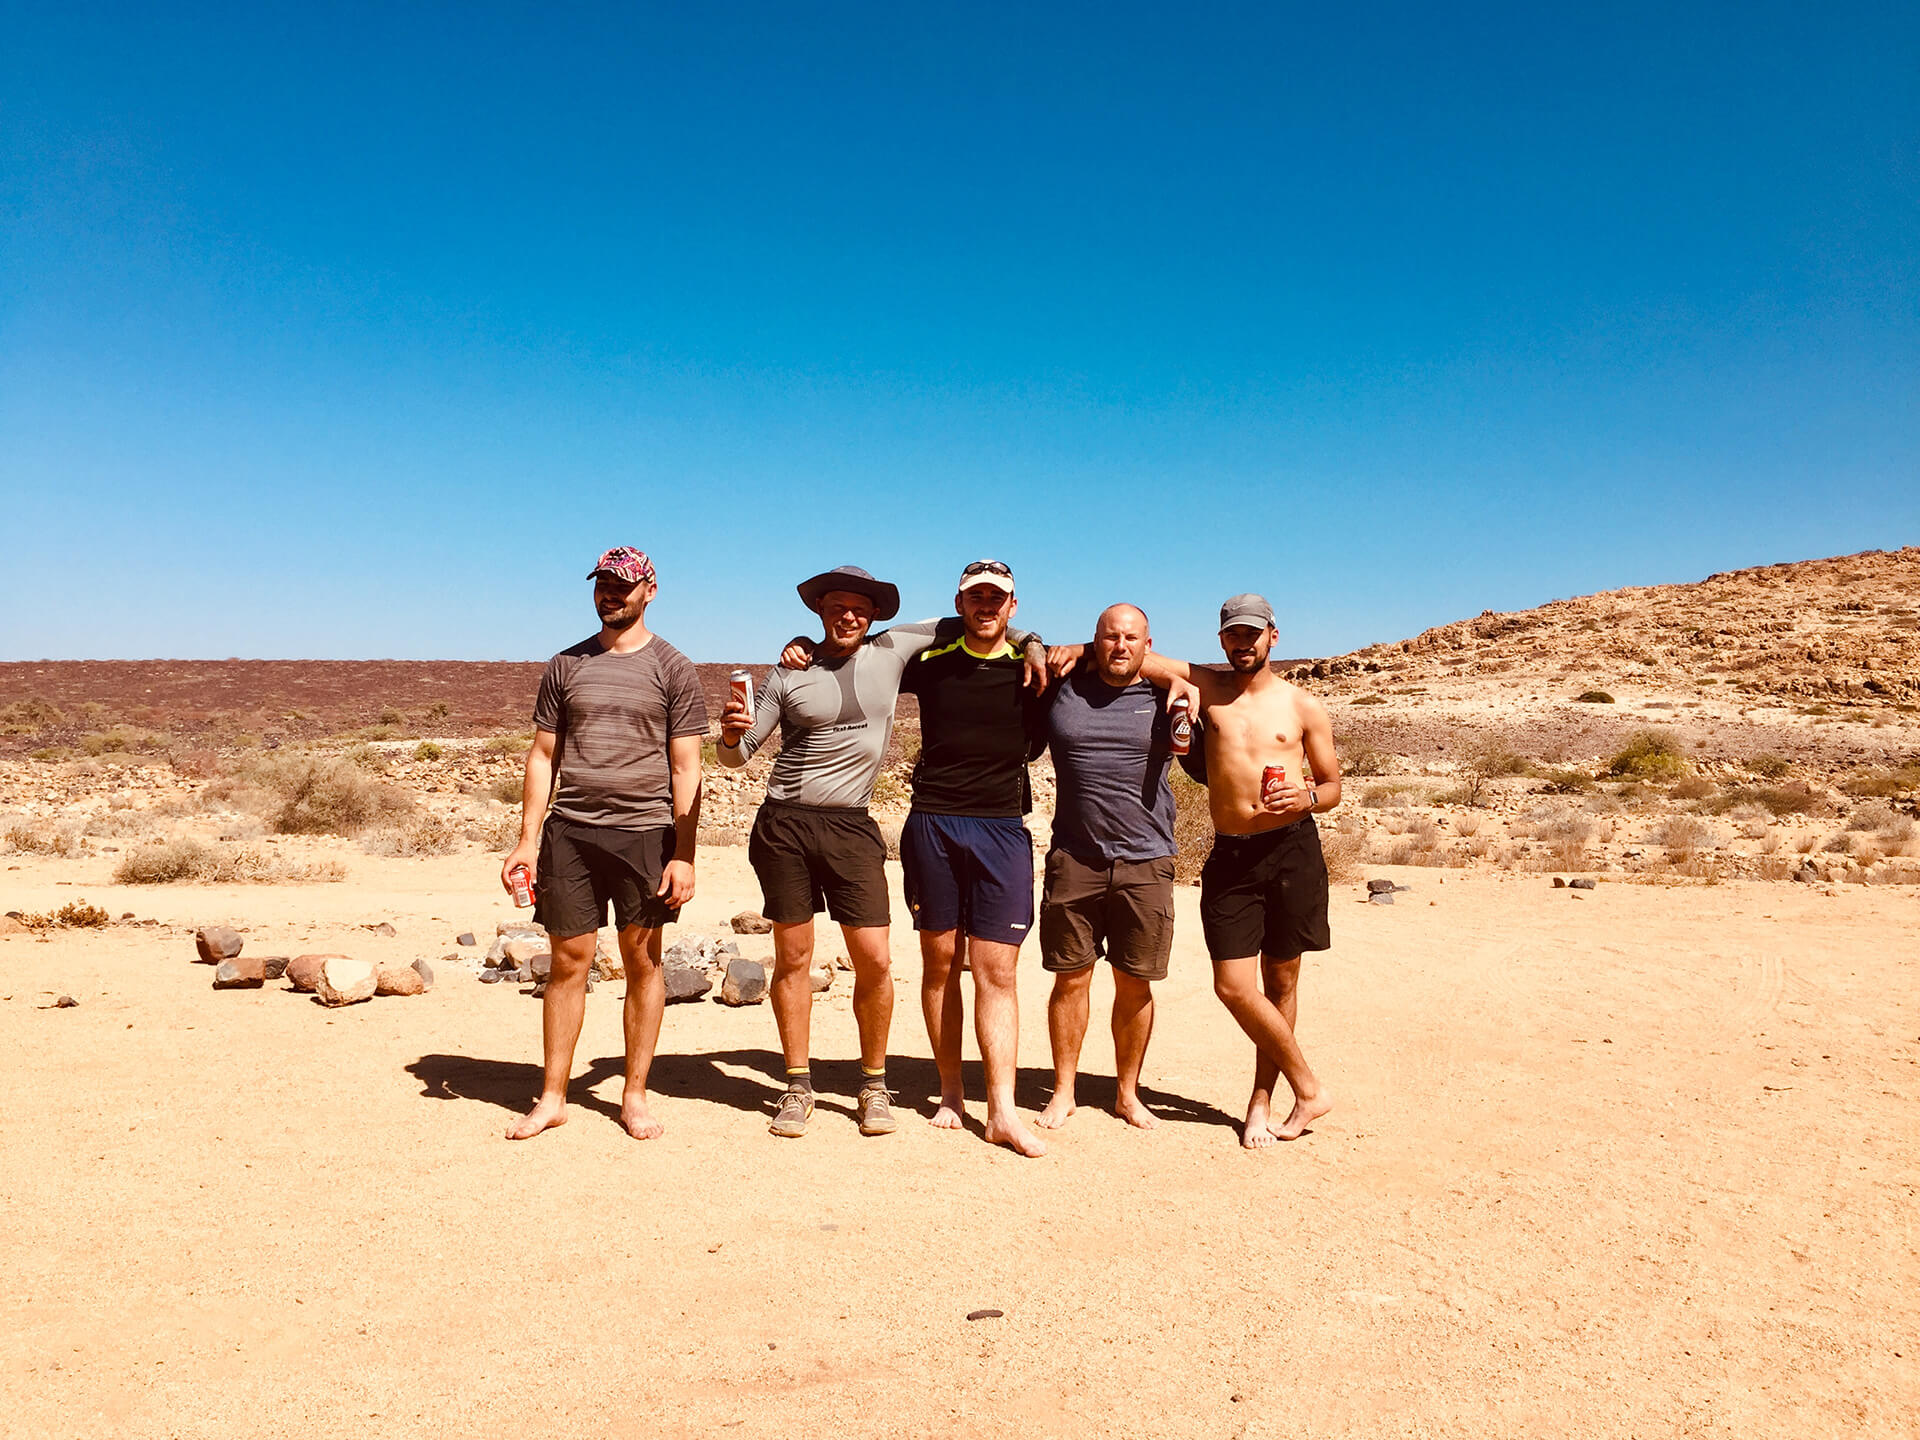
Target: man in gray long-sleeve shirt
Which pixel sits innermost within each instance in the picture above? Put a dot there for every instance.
(814, 846)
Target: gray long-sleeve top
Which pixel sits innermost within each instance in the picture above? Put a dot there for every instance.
(836, 716)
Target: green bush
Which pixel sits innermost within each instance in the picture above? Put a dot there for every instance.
(1769, 766)
(1649, 755)
(29, 717)
(428, 750)
(1777, 799)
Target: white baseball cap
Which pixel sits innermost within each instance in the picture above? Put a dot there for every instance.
(996, 573)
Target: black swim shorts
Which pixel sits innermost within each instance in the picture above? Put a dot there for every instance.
(811, 858)
(1265, 894)
(586, 868)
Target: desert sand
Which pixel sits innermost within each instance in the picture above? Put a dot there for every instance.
(1640, 1162)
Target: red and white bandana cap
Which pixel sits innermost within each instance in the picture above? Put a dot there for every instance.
(623, 562)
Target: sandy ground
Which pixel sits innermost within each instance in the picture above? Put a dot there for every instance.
(1639, 1163)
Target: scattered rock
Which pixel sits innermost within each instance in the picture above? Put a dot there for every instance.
(1558, 883)
(609, 961)
(541, 966)
(751, 922)
(537, 991)
(1380, 897)
(465, 938)
(346, 982)
(216, 943)
(821, 978)
(398, 980)
(303, 971)
(380, 927)
(985, 1314)
(425, 972)
(273, 966)
(492, 977)
(746, 982)
(497, 951)
(520, 948)
(239, 974)
(842, 962)
(685, 982)
(1581, 884)
(65, 1002)
(507, 929)
(1379, 887)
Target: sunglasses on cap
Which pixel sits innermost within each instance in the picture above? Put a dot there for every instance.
(986, 567)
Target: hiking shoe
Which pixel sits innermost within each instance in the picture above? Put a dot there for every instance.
(876, 1110)
(790, 1120)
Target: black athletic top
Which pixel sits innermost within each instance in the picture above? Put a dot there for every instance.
(979, 725)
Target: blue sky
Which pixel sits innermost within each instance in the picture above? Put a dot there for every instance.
(358, 331)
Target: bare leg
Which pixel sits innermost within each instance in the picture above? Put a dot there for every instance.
(562, 1009)
(1132, 1028)
(996, 1021)
(940, 1003)
(1238, 984)
(872, 990)
(1282, 980)
(793, 990)
(1066, 1029)
(640, 1018)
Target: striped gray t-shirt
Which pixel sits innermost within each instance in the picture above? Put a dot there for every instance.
(613, 714)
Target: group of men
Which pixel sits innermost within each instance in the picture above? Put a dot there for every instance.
(611, 807)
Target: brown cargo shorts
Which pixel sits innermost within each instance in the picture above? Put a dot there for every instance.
(1122, 908)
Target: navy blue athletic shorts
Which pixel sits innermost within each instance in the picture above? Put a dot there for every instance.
(969, 870)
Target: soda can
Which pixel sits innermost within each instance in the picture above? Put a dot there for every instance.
(522, 884)
(1273, 775)
(740, 682)
(1180, 727)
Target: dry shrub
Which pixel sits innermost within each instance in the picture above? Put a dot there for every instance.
(1361, 759)
(1693, 787)
(429, 750)
(29, 716)
(1566, 780)
(1883, 782)
(1393, 793)
(1481, 846)
(1648, 755)
(320, 796)
(507, 744)
(508, 788)
(1795, 799)
(1683, 836)
(1866, 854)
(424, 834)
(1774, 867)
(1769, 766)
(499, 831)
(733, 835)
(118, 823)
(1882, 820)
(1345, 851)
(122, 740)
(169, 862)
(1839, 844)
(74, 915)
(1467, 825)
(1192, 828)
(45, 837)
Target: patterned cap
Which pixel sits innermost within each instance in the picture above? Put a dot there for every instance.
(623, 562)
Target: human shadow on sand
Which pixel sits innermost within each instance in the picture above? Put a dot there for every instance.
(752, 1081)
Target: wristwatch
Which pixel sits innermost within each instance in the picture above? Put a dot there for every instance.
(1313, 799)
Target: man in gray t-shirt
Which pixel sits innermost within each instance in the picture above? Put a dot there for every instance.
(814, 846)
(1109, 874)
(609, 812)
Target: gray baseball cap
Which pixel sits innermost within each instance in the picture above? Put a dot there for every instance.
(1246, 610)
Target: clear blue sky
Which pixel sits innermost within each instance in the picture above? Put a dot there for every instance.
(359, 331)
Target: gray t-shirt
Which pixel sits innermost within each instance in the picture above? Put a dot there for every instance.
(1110, 755)
(836, 716)
(613, 714)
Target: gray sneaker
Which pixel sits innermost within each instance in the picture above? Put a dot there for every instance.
(790, 1120)
(876, 1110)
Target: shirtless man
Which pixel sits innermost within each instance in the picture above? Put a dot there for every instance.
(1263, 890)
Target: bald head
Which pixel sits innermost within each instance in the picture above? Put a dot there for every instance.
(1120, 644)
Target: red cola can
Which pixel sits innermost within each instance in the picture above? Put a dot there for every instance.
(740, 683)
(1273, 775)
(522, 883)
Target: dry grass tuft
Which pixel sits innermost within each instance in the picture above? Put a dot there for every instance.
(172, 862)
(425, 834)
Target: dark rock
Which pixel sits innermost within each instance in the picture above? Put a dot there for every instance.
(746, 982)
(216, 943)
(1558, 883)
(1380, 897)
(239, 974)
(273, 966)
(1379, 887)
(65, 1002)
(425, 972)
(492, 977)
(380, 927)
(541, 965)
(465, 938)
(686, 982)
(985, 1314)
(1581, 884)
(537, 991)
(751, 922)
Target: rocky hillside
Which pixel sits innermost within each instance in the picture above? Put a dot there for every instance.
(1843, 630)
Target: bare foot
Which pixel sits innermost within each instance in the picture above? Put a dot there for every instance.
(1257, 1135)
(1015, 1137)
(543, 1116)
(1059, 1109)
(1305, 1112)
(1129, 1109)
(951, 1115)
(639, 1120)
